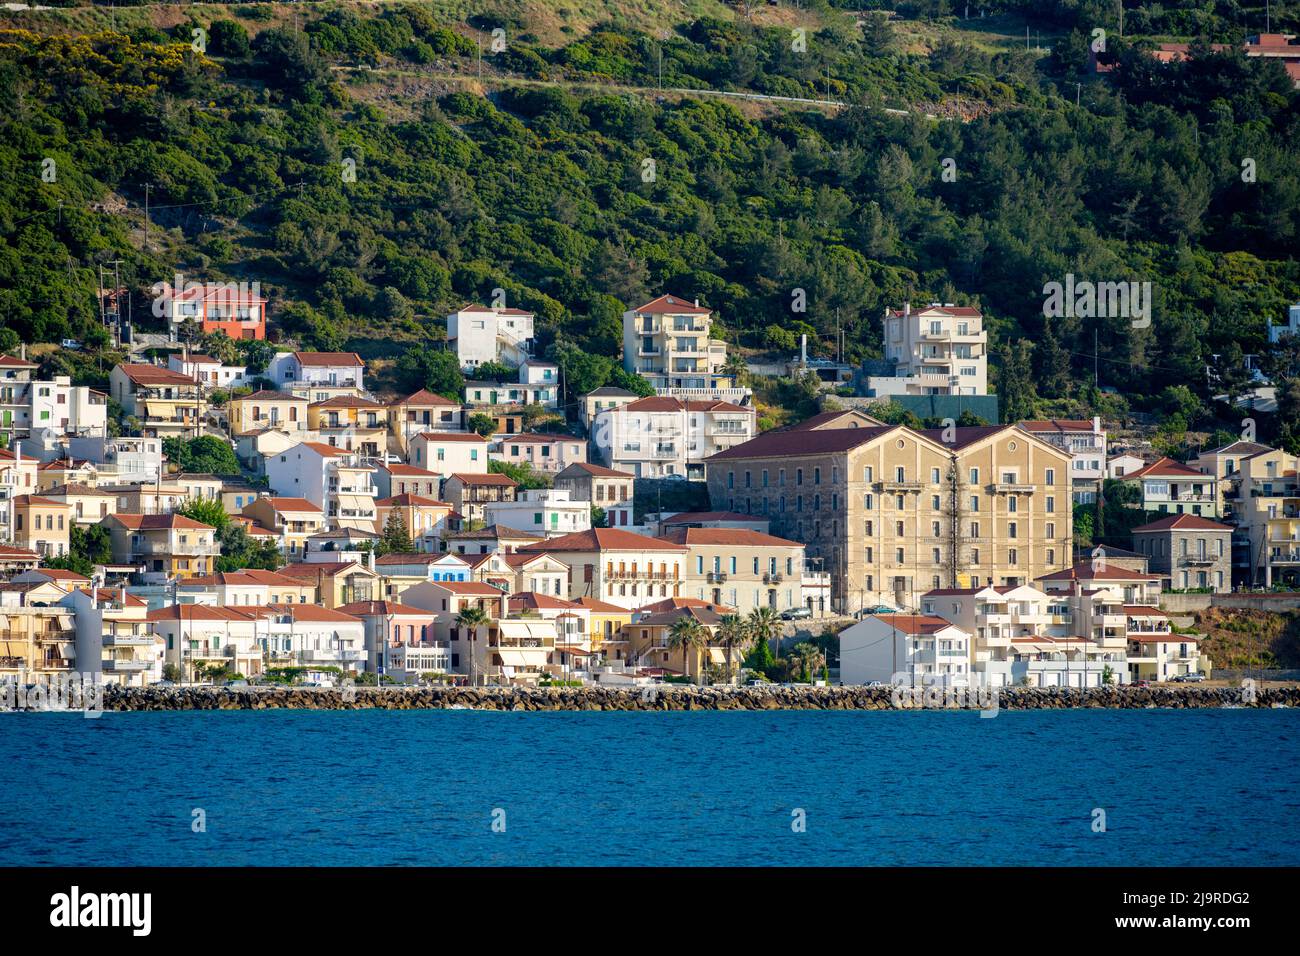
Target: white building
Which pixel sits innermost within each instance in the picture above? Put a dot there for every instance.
(1292, 327)
(1086, 443)
(925, 649)
(541, 511)
(481, 334)
(28, 404)
(208, 370)
(941, 349)
(334, 480)
(659, 437)
(450, 453)
(133, 460)
(326, 369)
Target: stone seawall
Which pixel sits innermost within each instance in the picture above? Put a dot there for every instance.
(671, 697)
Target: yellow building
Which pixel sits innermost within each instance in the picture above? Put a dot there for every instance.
(168, 546)
(42, 524)
(351, 423)
(891, 513)
(267, 409)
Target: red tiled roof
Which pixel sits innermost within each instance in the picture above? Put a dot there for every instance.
(453, 437)
(1084, 571)
(599, 471)
(270, 395)
(799, 444)
(672, 305)
(963, 311)
(290, 504)
(346, 401)
(1057, 425)
(426, 397)
(532, 601)
(603, 539)
(914, 623)
(1183, 522)
(601, 607)
(1167, 467)
(154, 375)
(11, 361)
(685, 517)
(158, 522)
(324, 359)
(368, 608)
(410, 471)
(488, 479)
(730, 537)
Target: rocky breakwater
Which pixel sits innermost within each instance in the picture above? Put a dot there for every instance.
(678, 697)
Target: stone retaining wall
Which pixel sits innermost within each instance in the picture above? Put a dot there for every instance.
(670, 697)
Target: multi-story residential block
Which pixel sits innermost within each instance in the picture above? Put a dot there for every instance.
(401, 570)
(487, 540)
(88, 505)
(208, 371)
(267, 409)
(1086, 443)
(940, 349)
(129, 459)
(1168, 485)
(333, 479)
(422, 412)
(400, 640)
(167, 546)
(538, 384)
(1156, 653)
(481, 334)
(351, 423)
(419, 515)
(924, 648)
(1264, 496)
(114, 640)
(617, 566)
(741, 569)
(293, 519)
(476, 651)
(251, 587)
(338, 583)
(1024, 635)
(167, 404)
(18, 475)
(606, 489)
(449, 453)
(660, 437)
(294, 371)
(43, 525)
(468, 494)
(228, 307)
(891, 513)
(601, 399)
(1223, 463)
(546, 512)
(1188, 551)
(666, 341)
(513, 572)
(161, 497)
(395, 478)
(549, 454)
(38, 637)
(29, 405)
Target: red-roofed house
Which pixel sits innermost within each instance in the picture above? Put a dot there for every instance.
(167, 404)
(1171, 486)
(401, 642)
(607, 489)
(235, 308)
(938, 349)
(422, 412)
(925, 648)
(327, 370)
(660, 436)
(666, 342)
(617, 566)
(41, 524)
(549, 454)
(741, 568)
(333, 479)
(1187, 551)
(450, 453)
(167, 546)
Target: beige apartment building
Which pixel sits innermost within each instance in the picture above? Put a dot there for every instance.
(740, 568)
(267, 409)
(616, 566)
(890, 513)
(666, 342)
(939, 349)
(1264, 499)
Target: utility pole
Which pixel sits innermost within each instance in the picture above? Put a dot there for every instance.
(147, 186)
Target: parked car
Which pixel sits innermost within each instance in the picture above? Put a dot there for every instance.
(71, 344)
(1192, 678)
(874, 609)
(796, 614)
(1143, 683)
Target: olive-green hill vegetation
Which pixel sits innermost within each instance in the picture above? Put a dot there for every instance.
(555, 170)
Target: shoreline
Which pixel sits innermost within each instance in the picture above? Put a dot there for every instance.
(684, 698)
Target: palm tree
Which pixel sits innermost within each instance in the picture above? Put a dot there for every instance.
(810, 659)
(764, 625)
(690, 636)
(733, 633)
(471, 619)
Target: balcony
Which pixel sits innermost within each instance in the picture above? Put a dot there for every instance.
(125, 665)
(717, 577)
(773, 578)
(330, 655)
(129, 640)
(899, 485)
(1011, 488)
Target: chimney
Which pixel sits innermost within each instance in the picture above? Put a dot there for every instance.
(907, 309)
(803, 349)
(121, 594)
(697, 304)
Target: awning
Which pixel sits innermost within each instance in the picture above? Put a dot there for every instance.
(513, 658)
(358, 503)
(65, 621)
(717, 655)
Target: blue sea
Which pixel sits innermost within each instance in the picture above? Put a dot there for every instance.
(1212, 787)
